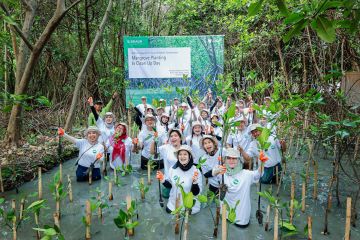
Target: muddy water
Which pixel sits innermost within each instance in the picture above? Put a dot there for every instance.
(155, 223)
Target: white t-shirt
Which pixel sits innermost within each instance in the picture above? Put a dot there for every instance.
(211, 162)
(194, 143)
(273, 153)
(87, 152)
(141, 108)
(239, 189)
(240, 138)
(146, 137)
(117, 162)
(106, 132)
(185, 178)
(167, 153)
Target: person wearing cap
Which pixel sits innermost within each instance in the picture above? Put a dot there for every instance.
(90, 153)
(238, 182)
(204, 118)
(105, 124)
(194, 140)
(141, 110)
(185, 173)
(164, 123)
(250, 113)
(215, 130)
(98, 105)
(184, 120)
(210, 145)
(240, 137)
(146, 137)
(273, 153)
(119, 146)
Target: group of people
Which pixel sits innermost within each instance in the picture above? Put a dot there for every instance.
(187, 144)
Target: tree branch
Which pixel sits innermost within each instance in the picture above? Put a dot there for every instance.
(17, 29)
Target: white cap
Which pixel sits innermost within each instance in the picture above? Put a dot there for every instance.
(183, 105)
(149, 116)
(231, 152)
(185, 148)
(255, 126)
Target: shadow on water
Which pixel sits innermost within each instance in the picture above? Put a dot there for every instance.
(155, 223)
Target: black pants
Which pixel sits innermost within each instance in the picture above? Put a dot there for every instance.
(144, 162)
(83, 176)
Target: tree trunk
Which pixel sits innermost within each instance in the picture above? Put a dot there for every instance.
(81, 76)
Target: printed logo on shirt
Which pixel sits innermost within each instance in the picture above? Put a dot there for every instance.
(273, 146)
(94, 151)
(235, 181)
(176, 178)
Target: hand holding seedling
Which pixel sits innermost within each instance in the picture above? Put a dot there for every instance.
(195, 177)
(263, 158)
(99, 155)
(135, 141)
(90, 101)
(160, 176)
(220, 169)
(61, 132)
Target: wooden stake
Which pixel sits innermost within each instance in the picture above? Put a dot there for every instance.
(223, 223)
(292, 197)
(1, 180)
(128, 206)
(58, 200)
(70, 189)
(56, 220)
(149, 172)
(348, 219)
(90, 176)
(315, 193)
(267, 221)
(38, 234)
(276, 224)
(39, 184)
(88, 220)
(177, 221)
(61, 172)
(142, 192)
(100, 215)
(111, 197)
(303, 196)
(22, 207)
(277, 174)
(217, 220)
(13, 206)
(309, 228)
(186, 224)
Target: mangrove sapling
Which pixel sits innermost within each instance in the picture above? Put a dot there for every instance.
(35, 208)
(124, 218)
(99, 204)
(142, 188)
(50, 232)
(228, 213)
(57, 190)
(177, 215)
(150, 166)
(39, 184)
(69, 188)
(22, 208)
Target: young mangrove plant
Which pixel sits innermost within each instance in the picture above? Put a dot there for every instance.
(124, 219)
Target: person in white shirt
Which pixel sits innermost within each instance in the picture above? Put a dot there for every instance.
(210, 145)
(119, 146)
(215, 130)
(91, 153)
(194, 141)
(185, 173)
(238, 182)
(273, 153)
(240, 137)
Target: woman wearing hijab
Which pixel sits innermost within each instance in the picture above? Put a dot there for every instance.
(185, 173)
(90, 153)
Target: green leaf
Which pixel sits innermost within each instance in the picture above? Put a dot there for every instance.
(263, 138)
(230, 113)
(50, 232)
(189, 200)
(2, 200)
(324, 28)
(295, 30)
(254, 8)
(36, 205)
(282, 7)
(288, 226)
(347, 123)
(9, 20)
(294, 18)
(342, 133)
(202, 198)
(232, 216)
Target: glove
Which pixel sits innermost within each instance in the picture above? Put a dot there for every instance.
(182, 128)
(61, 132)
(99, 155)
(135, 141)
(195, 177)
(263, 158)
(160, 176)
(218, 170)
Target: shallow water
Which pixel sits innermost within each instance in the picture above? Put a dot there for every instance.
(155, 223)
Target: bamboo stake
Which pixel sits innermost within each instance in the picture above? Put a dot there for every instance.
(142, 192)
(1, 180)
(186, 224)
(267, 221)
(315, 193)
(128, 206)
(309, 228)
(22, 207)
(13, 206)
(277, 174)
(149, 172)
(39, 184)
(56, 220)
(348, 219)
(61, 172)
(70, 189)
(177, 217)
(303, 196)
(115, 176)
(100, 215)
(111, 197)
(217, 219)
(276, 224)
(88, 220)
(223, 223)
(58, 200)
(38, 234)
(292, 197)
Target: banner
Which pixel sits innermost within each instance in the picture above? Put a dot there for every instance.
(156, 66)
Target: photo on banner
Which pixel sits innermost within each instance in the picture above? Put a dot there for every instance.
(156, 66)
